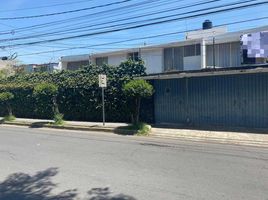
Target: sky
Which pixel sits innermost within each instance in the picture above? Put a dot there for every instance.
(100, 17)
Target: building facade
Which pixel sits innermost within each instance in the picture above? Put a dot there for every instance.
(47, 67)
(208, 48)
(231, 97)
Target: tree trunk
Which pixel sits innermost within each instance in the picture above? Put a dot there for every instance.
(55, 106)
(137, 111)
(9, 110)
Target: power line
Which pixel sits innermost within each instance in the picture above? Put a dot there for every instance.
(45, 6)
(77, 29)
(142, 38)
(95, 15)
(64, 12)
(139, 26)
(49, 24)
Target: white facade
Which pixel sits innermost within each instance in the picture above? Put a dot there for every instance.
(195, 53)
(192, 63)
(115, 60)
(153, 60)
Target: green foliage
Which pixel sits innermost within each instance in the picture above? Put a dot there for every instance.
(135, 90)
(9, 118)
(138, 88)
(142, 129)
(45, 89)
(58, 119)
(6, 96)
(78, 97)
(6, 72)
(23, 103)
(46, 98)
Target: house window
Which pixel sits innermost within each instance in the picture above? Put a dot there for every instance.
(101, 61)
(192, 50)
(134, 56)
(77, 65)
(173, 59)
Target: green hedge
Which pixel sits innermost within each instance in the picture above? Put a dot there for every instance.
(79, 95)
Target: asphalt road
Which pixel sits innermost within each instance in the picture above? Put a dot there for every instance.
(46, 164)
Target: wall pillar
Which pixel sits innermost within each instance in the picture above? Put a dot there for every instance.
(203, 55)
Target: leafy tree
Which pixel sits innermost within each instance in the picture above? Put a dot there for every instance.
(5, 98)
(46, 95)
(135, 90)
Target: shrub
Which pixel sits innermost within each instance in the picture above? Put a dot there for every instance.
(5, 98)
(9, 118)
(135, 90)
(46, 96)
(58, 119)
(142, 129)
(79, 96)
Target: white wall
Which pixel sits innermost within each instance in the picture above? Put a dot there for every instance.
(75, 58)
(116, 59)
(192, 63)
(153, 60)
(63, 65)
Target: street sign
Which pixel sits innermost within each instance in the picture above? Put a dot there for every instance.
(102, 81)
(103, 85)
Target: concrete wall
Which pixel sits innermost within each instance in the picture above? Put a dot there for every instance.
(153, 60)
(115, 60)
(192, 63)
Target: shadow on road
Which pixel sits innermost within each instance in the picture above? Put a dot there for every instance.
(21, 186)
(38, 124)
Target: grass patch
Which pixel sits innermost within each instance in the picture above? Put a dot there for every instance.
(140, 129)
(9, 118)
(58, 120)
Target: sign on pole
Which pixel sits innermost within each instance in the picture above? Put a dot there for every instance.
(102, 80)
(102, 85)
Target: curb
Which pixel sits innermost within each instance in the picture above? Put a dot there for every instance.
(123, 131)
(213, 139)
(77, 128)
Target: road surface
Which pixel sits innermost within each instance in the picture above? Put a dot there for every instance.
(46, 164)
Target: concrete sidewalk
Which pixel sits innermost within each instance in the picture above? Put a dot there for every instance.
(254, 139)
(242, 138)
(121, 128)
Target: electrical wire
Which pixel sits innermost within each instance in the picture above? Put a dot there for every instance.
(64, 12)
(77, 29)
(138, 26)
(46, 6)
(92, 15)
(142, 38)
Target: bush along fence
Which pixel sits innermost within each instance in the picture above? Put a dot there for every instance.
(78, 96)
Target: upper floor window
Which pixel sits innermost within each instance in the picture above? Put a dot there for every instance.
(173, 59)
(174, 56)
(192, 50)
(133, 56)
(101, 61)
